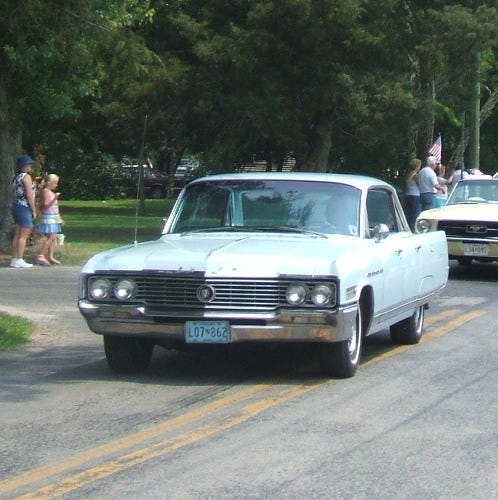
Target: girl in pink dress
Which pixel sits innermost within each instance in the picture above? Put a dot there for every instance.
(50, 222)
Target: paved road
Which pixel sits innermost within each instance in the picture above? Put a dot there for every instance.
(416, 421)
(47, 296)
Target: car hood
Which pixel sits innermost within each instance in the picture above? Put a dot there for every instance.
(234, 255)
(463, 211)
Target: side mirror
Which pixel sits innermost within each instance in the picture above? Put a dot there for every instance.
(162, 229)
(380, 232)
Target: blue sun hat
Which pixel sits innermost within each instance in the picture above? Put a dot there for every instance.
(24, 160)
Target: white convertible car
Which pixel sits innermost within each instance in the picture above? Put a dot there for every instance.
(268, 257)
(469, 219)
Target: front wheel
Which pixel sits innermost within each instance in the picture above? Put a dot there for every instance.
(409, 330)
(127, 355)
(341, 359)
(157, 192)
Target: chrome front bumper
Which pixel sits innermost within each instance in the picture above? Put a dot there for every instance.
(282, 326)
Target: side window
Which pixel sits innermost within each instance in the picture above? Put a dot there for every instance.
(380, 209)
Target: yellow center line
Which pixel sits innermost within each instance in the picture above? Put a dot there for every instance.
(131, 440)
(436, 332)
(160, 449)
(136, 457)
(455, 323)
(435, 318)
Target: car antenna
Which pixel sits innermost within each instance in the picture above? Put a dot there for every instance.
(140, 199)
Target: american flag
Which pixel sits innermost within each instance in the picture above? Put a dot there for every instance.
(435, 149)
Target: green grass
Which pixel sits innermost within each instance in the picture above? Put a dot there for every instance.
(93, 226)
(14, 331)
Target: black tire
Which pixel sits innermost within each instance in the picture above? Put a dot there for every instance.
(409, 331)
(127, 355)
(157, 192)
(341, 359)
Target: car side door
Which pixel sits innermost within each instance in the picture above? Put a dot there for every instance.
(400, 258)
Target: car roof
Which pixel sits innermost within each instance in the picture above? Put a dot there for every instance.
(471, 179)
(360, 181)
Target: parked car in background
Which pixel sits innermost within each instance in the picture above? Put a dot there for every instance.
(469, 219)
(156, 184)
(185, 171)
(272, 258)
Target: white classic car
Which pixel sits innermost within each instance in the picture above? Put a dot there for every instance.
(268, 257)
(469, 219)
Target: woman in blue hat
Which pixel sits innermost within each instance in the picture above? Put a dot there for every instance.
(23, 209)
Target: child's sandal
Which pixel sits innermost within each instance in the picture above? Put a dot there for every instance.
(42, 261)
(55, 261)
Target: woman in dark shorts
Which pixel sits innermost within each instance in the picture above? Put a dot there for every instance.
(23, 209)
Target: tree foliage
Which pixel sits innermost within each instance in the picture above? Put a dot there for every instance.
(54, 55)
(351, 85)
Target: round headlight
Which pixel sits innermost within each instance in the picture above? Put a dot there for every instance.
(296, 294)
(99, 289)
(124, 289)
(322, 295)
(423, 226)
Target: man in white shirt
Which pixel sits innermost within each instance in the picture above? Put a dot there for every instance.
(428, 184)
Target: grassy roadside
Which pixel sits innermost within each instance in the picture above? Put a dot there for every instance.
(93, 226)
(90, 227)
(14, 331)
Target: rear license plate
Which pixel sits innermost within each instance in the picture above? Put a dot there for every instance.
(207, 332)
(476, 249)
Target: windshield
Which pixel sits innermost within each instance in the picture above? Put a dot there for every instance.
(475, 191)
(276, 205)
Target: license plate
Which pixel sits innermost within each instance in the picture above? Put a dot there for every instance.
(476, 249)
(207, 332)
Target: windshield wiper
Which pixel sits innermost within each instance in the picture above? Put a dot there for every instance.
(284, 229)
(242, 229)
(216, 229)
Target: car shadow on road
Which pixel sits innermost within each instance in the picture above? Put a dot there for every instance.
(28, 374)
(477, 271)
(294, 363)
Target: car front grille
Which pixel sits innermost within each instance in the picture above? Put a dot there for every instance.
(474, 230)
(159, 291)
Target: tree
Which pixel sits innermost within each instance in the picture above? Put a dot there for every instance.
(283, 76)
(451, 35)
(49, 67)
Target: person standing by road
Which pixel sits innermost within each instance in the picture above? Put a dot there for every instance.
(428, 184)
(50, 221)
(442, 195)
(23, 210)
(412, 192)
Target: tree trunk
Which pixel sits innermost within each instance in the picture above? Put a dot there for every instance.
(485, 112)
(475, 109)
(10, 146)
(427, 136)
(320, 143)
